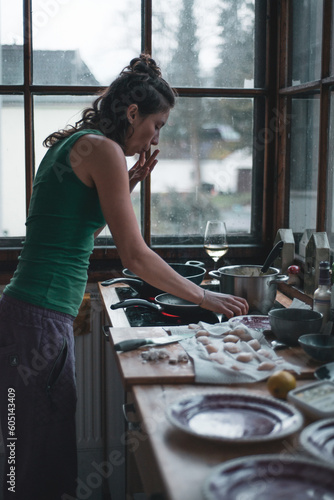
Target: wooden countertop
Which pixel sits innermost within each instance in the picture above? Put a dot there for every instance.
(178, 462)
(172, 463)
(134, 371)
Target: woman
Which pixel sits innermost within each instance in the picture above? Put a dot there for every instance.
(81, 185)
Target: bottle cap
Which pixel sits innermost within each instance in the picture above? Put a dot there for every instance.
(324, 276)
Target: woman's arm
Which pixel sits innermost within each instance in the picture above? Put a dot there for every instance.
(105, 167)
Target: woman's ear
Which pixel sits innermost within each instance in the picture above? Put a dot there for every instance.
(132, 113)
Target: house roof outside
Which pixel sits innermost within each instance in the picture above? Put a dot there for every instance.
(50, 67)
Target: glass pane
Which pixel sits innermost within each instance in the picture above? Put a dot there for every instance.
(52, 113)
(83, 42)
(304, 163)
(195, 41)
(306, 41)
(330, 184)
(12, 167)
(11, 37)
(205, 168)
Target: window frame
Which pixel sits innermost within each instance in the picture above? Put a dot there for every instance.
(286, 93)
(267, 212)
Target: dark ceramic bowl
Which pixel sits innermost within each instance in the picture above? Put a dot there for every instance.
(289, 324)
(318, 346)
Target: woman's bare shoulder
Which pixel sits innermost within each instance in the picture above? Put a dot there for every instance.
(92, 156)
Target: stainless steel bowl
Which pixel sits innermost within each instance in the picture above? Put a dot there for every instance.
(289, 324)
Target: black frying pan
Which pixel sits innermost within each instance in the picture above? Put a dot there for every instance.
(164, 302)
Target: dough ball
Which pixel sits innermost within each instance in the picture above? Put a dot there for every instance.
(231, 338)
(255, 344)
(266, 366)
(265, 353)
(244, 357)
(193, 326)
(202, 333)
(203, 340)
(231, 347)
(211, 348)
(218, 357)
(242, 333)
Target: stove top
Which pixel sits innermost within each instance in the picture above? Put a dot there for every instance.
(145, 316)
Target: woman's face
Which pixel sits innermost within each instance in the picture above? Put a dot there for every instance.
(143, 132)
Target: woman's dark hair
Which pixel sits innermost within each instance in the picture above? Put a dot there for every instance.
(139, 83)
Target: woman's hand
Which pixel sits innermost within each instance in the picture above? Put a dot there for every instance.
(142, 168)
(222, 303)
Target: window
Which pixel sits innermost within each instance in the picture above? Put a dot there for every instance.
(306, 106)
(212, 52)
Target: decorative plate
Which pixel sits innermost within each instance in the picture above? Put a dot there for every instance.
(273, 477)
(318, 440)
(255, 322)
(235, 417)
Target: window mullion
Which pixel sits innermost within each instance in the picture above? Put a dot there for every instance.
(145, 191)
(324, 117)
(28, 108)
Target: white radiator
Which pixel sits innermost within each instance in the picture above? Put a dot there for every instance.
(89, 353)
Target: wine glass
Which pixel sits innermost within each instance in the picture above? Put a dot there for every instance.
(215, 240)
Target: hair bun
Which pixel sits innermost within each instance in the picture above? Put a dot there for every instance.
(144, 64)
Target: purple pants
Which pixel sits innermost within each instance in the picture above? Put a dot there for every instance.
(37, 402)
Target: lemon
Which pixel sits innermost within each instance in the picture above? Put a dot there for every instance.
(280, 383)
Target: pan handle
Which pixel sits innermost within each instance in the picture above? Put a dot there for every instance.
(130, 281)
(214, 274)
(280, 278)
(197, 263)
(136, 302)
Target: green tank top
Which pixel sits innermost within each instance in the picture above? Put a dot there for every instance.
(63, 215)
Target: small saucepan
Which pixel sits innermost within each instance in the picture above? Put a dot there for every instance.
(164, 302)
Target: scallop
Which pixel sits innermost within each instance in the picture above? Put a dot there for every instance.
(244, 357)
(203, 340)
(231, 338)
(211, 348)
(255, 344)
(266, 366)
(231, 347)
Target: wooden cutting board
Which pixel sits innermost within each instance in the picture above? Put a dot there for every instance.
(134, 370)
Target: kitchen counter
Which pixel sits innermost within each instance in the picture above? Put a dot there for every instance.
(181, 462)
(170, 462)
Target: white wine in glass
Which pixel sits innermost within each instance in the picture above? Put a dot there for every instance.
(215, 239)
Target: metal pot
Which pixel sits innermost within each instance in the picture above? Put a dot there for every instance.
(192, 270)
(248, 282)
